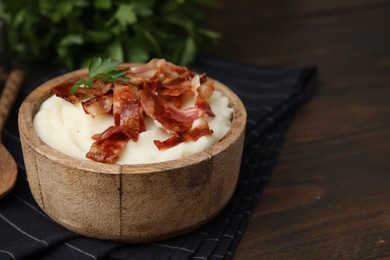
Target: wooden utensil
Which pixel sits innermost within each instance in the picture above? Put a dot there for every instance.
(8, 168)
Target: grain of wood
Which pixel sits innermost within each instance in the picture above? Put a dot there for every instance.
(132, 203)
(328, 195)
(8, 168)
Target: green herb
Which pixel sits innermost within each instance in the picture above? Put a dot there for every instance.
(101, 69)
(70, 32)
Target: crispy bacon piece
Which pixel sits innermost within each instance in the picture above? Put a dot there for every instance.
(204, 91)
(176, 87)
(131, 116)
(172, 71)
(182, 115)
(112, 130)
(156, 70)
(100, 87)
(110, 143)
(173, 100)
(202, 78)
(63, 91)
(98, 105)
(191, 135)
(154, 107)
(177, 81)
(127, 109)
(146, 72)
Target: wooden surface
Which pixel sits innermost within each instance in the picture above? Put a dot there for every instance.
(140, 203)
(8, 169)
(9, 94)
(329, 194)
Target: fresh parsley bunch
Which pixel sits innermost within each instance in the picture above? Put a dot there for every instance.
(70, 32)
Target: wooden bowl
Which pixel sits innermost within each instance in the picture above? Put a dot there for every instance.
(133, 203)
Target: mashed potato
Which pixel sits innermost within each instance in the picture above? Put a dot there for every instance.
(68, 129)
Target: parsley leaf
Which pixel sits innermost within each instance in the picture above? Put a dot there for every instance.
(101, 69)
(85, 82)
(132, 31)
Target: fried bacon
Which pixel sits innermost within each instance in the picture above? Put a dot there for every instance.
(100, 87)
(155, 108)
(146, 72)
(156, 89)
(191, 135)
(182, 115)
(63, 91)
(114, 130)
(176, 87)
(98, 105)
(127, 108)
(201, 101)
(110, 143)
(203, 89)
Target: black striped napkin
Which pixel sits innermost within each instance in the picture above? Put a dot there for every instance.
(270, 94)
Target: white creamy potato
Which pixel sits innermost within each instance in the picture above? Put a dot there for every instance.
(68, 129)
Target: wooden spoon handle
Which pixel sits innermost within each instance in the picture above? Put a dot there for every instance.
(10, 92)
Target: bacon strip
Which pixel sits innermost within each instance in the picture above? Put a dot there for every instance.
(98, 105)
(155, 108)
(100, 87)
(176, 87)
(202, 89)
(127, 109)
(185, 115)
(177, 83)
(201, 100)
(192, 135)
(146, 72)
(63, 91)
(110, 143)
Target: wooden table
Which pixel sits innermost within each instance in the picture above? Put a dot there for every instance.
(329, 194)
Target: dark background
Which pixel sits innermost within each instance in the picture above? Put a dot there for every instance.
(329, 194)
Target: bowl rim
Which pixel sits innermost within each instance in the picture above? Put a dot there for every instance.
(33, 101)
